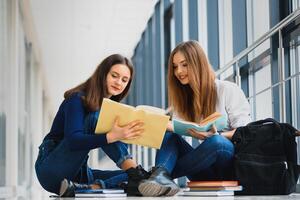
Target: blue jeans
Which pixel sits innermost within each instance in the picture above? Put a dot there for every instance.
(56, 162)
(211, 160)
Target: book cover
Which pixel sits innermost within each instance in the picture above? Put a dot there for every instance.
(181, 127)
(208, 193)
(100, 191)
(216, 188)
(100, 195)
(211, 183)
(155, 121)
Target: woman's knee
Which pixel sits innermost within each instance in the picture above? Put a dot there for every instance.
(221, 143)
(48, 180)
(169, 136)
(118, 152)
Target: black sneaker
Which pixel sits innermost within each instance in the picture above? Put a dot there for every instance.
(68, 188)
(135, 176)
(158, 184)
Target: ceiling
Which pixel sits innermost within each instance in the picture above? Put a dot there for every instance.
(75, 35)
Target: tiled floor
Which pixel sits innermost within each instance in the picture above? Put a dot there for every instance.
(39, 194)
(292, 196)
(42, 195)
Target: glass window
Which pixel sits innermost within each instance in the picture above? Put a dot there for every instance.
(202, 24)
(263, 104)
(295, 82)
(24, 93)
(3, 57)
(225, 32)
(21, 107)
(295, 85)
(260, 91)
(295, 4)
(167, 46)
(257, 24)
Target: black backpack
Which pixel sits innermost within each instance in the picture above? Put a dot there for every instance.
(265, 159)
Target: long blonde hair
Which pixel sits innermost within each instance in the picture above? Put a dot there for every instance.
(196, 100)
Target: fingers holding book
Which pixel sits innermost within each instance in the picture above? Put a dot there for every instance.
(170, 126)
(132, 130)
(202, 135)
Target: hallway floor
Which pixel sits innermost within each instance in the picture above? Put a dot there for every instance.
(293, 196)
(38, 193)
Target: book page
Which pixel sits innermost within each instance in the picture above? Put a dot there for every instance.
(182, 127)
(151, 109)
(155, 125)
(210, 118)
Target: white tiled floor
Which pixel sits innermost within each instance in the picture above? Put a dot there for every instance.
(292, 196)
(42, 195)
(39, 194)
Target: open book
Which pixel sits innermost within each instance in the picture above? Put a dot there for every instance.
(182, 127)
(155, 121)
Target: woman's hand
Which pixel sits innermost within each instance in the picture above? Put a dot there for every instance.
(170, 126)
(202, 135)
(130, 131)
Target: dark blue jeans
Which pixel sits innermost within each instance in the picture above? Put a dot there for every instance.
(56, 162)
(211, 160)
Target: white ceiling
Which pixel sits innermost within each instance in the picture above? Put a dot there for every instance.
(75, 35)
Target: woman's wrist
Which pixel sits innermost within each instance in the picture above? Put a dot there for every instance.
(228, 134)
(170, 126)
(110, 137)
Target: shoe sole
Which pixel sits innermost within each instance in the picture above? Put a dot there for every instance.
(63, 187)
(172, 191)
(150, 189)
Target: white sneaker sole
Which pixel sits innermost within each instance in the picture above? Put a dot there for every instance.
(63, 187)
(151, 189)
(172, 191)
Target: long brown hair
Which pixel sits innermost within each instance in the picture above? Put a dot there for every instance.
(196, 100)
(95, 87)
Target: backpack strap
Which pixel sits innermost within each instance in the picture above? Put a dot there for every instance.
(271, 120)
(267, 121)
(294, 131)
(264, 121)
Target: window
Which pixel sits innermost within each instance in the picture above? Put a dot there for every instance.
(262, 102)
(257, 24)
(3, 61)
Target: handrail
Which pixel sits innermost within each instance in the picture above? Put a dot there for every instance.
(260, 40)
(274, 85)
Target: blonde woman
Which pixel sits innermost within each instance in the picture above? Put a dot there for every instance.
(194, 94)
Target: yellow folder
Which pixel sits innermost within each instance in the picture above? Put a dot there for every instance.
(155, 122)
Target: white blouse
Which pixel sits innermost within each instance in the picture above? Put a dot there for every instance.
(231, 101)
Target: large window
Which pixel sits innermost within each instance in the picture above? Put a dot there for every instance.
(295, 81)
(3, 63)
(295, 4)
(257, 24)
(260, 91)
(292, 47)
(167, 46)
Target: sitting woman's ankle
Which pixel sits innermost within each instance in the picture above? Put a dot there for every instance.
(127, 164)
(95, 186)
